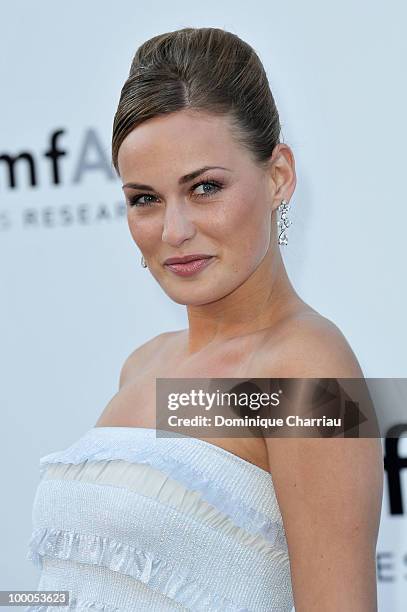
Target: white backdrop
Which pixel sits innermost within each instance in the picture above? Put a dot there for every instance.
(75, 300)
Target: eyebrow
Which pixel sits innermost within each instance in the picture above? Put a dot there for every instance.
(184, 179)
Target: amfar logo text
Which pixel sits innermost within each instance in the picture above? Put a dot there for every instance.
(90, 149)
(393, 464)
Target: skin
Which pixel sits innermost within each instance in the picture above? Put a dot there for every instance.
(245, 319)
(246, 288)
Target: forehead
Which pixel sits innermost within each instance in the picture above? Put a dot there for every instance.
(177, 140)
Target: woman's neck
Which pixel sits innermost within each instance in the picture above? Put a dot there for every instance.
(259, 303)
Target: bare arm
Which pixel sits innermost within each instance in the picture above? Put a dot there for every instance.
(330, 494)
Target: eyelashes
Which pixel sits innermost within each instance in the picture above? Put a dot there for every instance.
(216, 185)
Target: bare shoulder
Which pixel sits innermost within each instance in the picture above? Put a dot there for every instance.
(329, 490)
(142, 354)
(309, 345)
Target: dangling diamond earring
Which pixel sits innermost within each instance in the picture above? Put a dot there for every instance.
(143, 262)
(283, 222)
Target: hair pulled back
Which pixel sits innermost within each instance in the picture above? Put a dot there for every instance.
(202, 69)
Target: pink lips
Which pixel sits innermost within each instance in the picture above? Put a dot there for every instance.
(188, 268)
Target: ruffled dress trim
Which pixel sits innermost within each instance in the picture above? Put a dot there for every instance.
(245, 516)
(126, 559)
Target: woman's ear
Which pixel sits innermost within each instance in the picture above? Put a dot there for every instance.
(282, 174)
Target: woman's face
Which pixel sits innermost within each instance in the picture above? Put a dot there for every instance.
(224, 212)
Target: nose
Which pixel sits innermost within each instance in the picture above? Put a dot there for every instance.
(177, 225)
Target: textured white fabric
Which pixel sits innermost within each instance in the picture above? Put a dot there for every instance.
(125, 520)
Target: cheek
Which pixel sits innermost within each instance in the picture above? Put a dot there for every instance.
(143, 231)
(246, 226)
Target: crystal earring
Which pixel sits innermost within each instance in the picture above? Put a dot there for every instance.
(143, 262)
(283, 222)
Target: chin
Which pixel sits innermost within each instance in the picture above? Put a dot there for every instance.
(190, 300)
(196, 296)
(197, 292)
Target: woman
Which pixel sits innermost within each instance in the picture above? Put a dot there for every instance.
(125, 520)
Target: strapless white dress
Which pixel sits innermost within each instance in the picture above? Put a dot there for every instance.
(128, 521)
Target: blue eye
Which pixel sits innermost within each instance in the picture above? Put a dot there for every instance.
(134, 200)
(216, 186)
